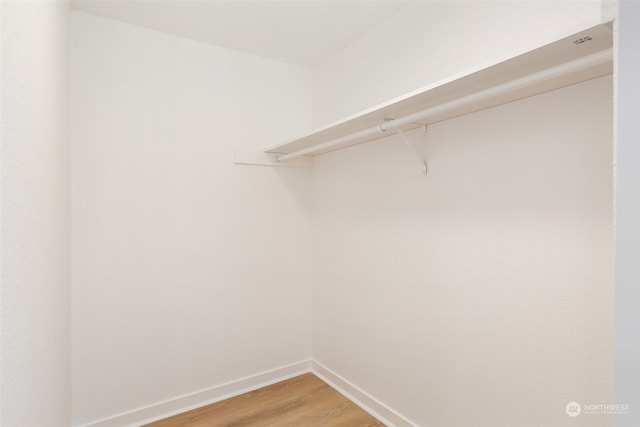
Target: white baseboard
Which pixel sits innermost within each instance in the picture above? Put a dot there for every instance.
(200, 398)
(211, 395)
(361, 398)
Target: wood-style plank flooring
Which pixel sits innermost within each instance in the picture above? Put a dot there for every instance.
(302, 401)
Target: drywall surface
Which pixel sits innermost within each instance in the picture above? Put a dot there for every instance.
(188, 271)
(430, 40)
(482, 293)
(627, 378)
(35, 214)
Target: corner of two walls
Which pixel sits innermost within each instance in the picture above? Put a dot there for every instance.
(35, 215)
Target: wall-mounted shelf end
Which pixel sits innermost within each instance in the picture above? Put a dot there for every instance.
(260, 158)
(574, 58)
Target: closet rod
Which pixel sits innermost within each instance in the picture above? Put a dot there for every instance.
(539, 77)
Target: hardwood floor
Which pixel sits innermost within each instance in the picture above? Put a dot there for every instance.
(299, 402)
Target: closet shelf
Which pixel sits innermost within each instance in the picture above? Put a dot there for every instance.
(582, 56)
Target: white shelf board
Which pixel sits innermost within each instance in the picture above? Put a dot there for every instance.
(599, 39)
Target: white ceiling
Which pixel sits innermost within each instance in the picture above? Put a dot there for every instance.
(297, 32)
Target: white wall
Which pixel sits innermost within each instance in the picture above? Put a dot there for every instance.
(431, 40)
(627, 379)
(35, 214)
(188, 271)
(481, 294)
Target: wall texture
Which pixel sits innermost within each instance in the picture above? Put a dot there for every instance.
(35, 215)
(627, 384)
(431, 40)
(482, 293)
(188, 271)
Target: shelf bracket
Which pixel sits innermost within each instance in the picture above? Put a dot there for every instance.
(410, 146)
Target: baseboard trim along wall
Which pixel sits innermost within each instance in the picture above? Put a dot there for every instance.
(187, 402)
(360, 397)
(201, 398)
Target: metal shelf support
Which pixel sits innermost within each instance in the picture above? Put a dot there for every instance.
(410, 145)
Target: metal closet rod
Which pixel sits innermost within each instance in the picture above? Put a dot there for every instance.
(501, 89)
